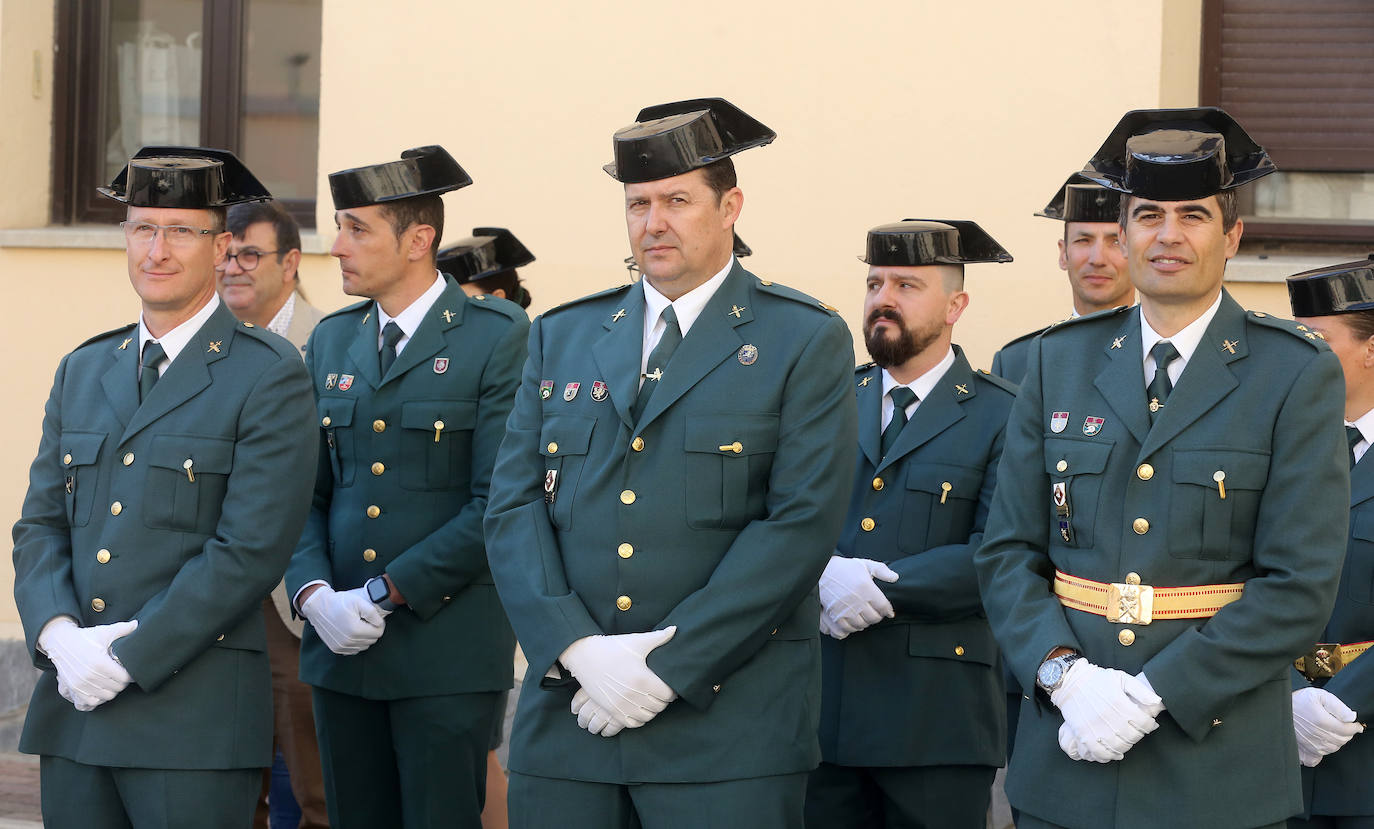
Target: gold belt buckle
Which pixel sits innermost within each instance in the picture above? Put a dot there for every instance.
(1130, 603)
(1323, 661)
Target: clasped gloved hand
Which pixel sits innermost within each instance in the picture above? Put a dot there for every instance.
(850, 600)
(1322, 724)
(347, 622)
(88, 675)
(620, 689)
(1106, 711)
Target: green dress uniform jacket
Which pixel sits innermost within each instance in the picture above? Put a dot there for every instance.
(179, 512)
(921, 510)
(405, 466)
(1260, 400)
(1340, 785)
(1010, 360)
(715, 512)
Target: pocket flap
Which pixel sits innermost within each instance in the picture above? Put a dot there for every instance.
(206, 454)
(1077, 457)
(732, 434)
(80, 448)
(1242, 470)
(1363, 525)
(938, 478)
(968, 640)
(335, 411)
(566, 435)
(456, 415)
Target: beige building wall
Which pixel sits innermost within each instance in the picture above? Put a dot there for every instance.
(884, 110)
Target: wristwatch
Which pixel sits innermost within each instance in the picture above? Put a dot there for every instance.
(1052, 671)
(379, 592)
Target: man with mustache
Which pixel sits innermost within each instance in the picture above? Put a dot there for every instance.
(912, 728)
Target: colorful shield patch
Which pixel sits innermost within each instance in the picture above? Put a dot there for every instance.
(598, 391)
(1092, 426)
(1058, 421)
(440, 365)
(545, 389)
(570, 391)
(346, 382)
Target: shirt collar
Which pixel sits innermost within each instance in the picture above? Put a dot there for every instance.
(414, 314)
(282, 320)
(1365, 423)
(925, 384)
(688, 306)
(175, 340)
(1186, 340)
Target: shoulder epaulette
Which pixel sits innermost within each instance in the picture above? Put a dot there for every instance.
(1000, 382)
(498, 304)
(1302, 332)
(770, 287)
(1029, 335)
(347, 309)
(865, 367)
(1098, 315)
(598, 295)
(123, 329)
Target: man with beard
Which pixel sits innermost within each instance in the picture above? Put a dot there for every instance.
(1090, 253)
(912, 715)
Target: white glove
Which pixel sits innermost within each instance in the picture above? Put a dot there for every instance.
(1068, 742)
(614, 673)
(1151, 704)
(347, 622)
(593, 717)
(849, 598)
(830, 630)
(1322, 723)
(1107, 710)
(86, 671)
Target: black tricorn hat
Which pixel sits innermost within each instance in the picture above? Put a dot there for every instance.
(487, 252)
(915, 242)
(672, 139)
(1335, 289)
(195, 178)
(1177, 154)
(422, 171)
(1080, 200)
(740, 250)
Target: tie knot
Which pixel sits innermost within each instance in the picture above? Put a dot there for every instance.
(1164, 354)
(902, 396)
(152, 354)
(669, 315)
(391, 334)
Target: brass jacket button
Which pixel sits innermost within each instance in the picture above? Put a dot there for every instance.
(374, 511)
(369, 554)
(868, 524)
(1062, 465)
(625, 550)
(1141, 526)
(627, 497)
(67, 458)
(379, 425)
(116, 508)
(103, 556)
(878, 484)
(1126, 636)
(637, 444)
(553, 447)
(1144, 472)
(98, 605)
(623, 602)
(958, 650)
(378, 468)
(325, 421)
(128, 459)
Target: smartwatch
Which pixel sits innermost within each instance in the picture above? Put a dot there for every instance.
(379, 592)
(1052, 671)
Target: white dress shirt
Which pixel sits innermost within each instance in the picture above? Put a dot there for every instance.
(175, 340)
(921, 387)
(1186, 341)
(414, 314)
(1365, 423)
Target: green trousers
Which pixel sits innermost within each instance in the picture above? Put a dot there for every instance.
(78, 796)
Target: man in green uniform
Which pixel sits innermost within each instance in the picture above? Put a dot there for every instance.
(671, 486)
(407, 647)
(1089, 252)
(170, 485)
(912, 727)
(1156, 555)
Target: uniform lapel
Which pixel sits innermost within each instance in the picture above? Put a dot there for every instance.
(428, 339)
(711, 339)
(120, 380)
(938, 411)
(1206, 379)
(1122, 380)
(363, 351)
(618, 352)
(870, 399)
(189, 373)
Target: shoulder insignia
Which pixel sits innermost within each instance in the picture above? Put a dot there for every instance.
(778, 290)
(348, 309)
(1073, 321)
(1029, 335)
(589, 297)
(865, 367)
(504, 307)
(993, 380)
(122, 330)
(1299, 331)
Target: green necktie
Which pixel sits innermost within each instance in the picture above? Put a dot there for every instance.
(658, 360)
(1159, 388)
(152, 355)
(1352, 436)
(901, 398)
(391, 334)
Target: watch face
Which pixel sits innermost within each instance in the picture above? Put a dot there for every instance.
(1050, 673)
(376, 590)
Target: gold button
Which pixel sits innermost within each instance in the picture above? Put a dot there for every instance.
(1133, 578)
(98, 605)
(128, 458)
(958, 650)
(868, 524)
(623, 603)
(325, 421)
(374, 511)
(1062, 465)
(877, 484)
(627, 496)
(378, 468)
(625, 550)
(637, 444)
(1261, 315)
(1126, 636)
(379, 425)
(103, 556)
(67, 458)
(219, 638)
(369, 554)
(116, 508)
(439, 425)
(1144, 472)
(1141, 526)
(553, 447)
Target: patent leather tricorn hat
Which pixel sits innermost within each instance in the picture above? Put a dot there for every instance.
(916, 242)
(422, 171)
(1335, 289)
(195, 178)
(1177, 154)
(487, 252)
(1080, 200)
(671, 139)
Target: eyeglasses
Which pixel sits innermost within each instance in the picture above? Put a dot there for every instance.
(247, 259)
(143, 233)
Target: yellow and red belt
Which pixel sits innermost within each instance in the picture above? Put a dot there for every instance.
(1133, 603)
(1326, 659)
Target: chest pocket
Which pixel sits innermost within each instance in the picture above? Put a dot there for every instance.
(1078, 466)
(729, 457)
(336, 421)
(187, 479)
(563, 441)
(79, 452)
(1202, 524)
(436, 443)
(940, 503)
(1359, 556)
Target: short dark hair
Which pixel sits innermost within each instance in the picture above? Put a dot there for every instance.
(403, 214)
(242, 216)
(1226, 200)
(216, 218)
(1360, 323)
(720, 176)
(508, 281)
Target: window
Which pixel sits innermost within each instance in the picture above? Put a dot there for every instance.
(1300, 78)
(243, 75)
